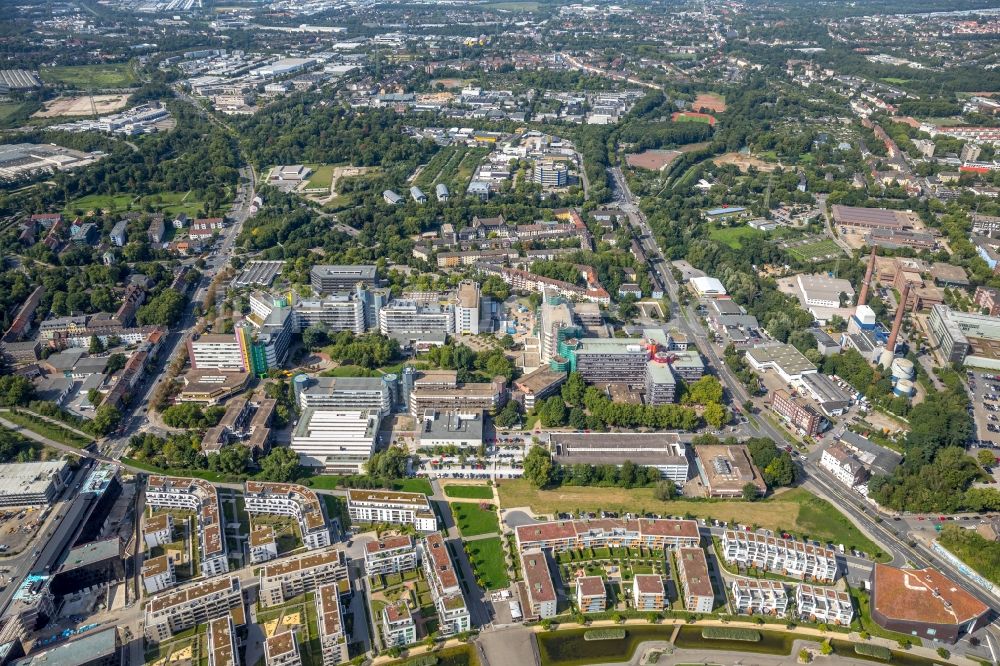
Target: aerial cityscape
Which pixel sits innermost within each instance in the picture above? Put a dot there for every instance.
(499, 333)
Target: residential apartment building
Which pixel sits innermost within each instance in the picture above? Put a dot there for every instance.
(290, 499)
(347, 393)
(200, 496)
(591, 595)
(694, 580)
(398, 628)
(750, 596)
(540, 593)
(282, 649)
(389, 506)
(654, 533)
(648, 593)
(327, 278)
(170, 613)
(784, 556)
(391, 554)
(222, 647)
(823, 604)
(330, 616)
(453, 615)
(262, 543)
(796, 413)
(293, 576)
(158, 530)
(467, 308)
(158, 574)
(840, 462)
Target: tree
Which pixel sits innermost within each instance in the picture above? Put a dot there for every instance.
(826, 648)
(106, 419)
(15, 390)
(316, 336)
(539, 469)
(715, 415)
(94, 397)
(230, 459)
(805, 656)
(164, 309)
(705, 391)
(393, 463)
(509, 416)
(553, 412)
(665, 490)
(115, 363)
(986, 458)
(96, 346)
(750, 492)
(577, 419)
(574, 389)
(779, 472)
(280, 465)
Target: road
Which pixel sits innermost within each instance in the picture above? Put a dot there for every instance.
(866, 517)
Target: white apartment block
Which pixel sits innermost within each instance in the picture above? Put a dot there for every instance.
(199, 496)
(398, 628)
(282, 649)
(823, 604)
(695, 582)
(648, 592)
(216, 352)
(467, 308)
(400, 316)
(332, 638)
(170, 613)
(290, 499)
(750, 596)
(541, 592)
(843, 465)
(453, 615)
(784, 556)
(293, 576)
(158, 574)
(391, 554)
(263, 544)
(158, 530)
(395, 508)
(222, 648)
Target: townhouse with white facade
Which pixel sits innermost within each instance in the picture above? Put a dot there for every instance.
(158, 574)
(823, 604)
(784, 556)
(648, 593)
(263, 544)
(398, 627)
(293, 576)
(694, 580)
(158, 530)
(750, 596)
(170, 613)
(539, 590)
(654, 533)
(330, 616)
(591, 595)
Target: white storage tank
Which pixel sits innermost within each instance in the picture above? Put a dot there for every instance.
(904, 388)
(902, 368)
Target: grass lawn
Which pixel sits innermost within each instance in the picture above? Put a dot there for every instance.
(47, 429)
(487, 559)
(169, 203)
(815, 251)
(413, 486)
(322, 176)
(795, 511)
(733, 236)
(472, 520)
(469, 492)
(88, 77)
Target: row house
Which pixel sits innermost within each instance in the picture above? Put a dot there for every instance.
(750, 596)
(654, 533)
(784, 556)
(823, 604)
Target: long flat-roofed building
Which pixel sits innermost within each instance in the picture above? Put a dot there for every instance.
(924, 603)
(441, 391)
(784, 556)
(823, 604)
(453, 614)
(871, 218)
(786, 360)
(328, 278)
(338, 441)
(222, 648)
(654, 533)
(333, 393)
(290, 499)
(30, 483)
(725, 469)
(170, 613)
(390, 554)
(539, 589)
(201, 497)
(750, 596)
(297, 575)
(664, 451)
(694, 580)
(99, 648)
(330, 616)
(390, 506)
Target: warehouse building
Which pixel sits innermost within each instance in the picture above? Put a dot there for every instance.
(664, 451)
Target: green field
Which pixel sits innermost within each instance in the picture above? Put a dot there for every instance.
(40, 426)
(472, 520)
(795, 511)
(413, 486)
(734, 236)
(817, 251)
(469, 492)
(514, 6)
(90, 77)
(487, 559)
(168, 203)
(321, 176)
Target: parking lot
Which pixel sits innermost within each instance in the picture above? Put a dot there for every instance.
(984, 406)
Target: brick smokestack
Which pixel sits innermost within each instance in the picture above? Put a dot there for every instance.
(898, 323)
(863, 298)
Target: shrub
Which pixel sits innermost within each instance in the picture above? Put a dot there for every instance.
(876, 651)
(805, 656)
(605, 634)
(943, 653)
(731, 634)
(826, 647)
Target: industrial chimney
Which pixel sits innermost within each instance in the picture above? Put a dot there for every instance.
(863, 298)
(898, 322)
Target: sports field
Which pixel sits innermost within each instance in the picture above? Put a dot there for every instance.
(90, 77)
(707, 101)
(733, 236)
(692, 117)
